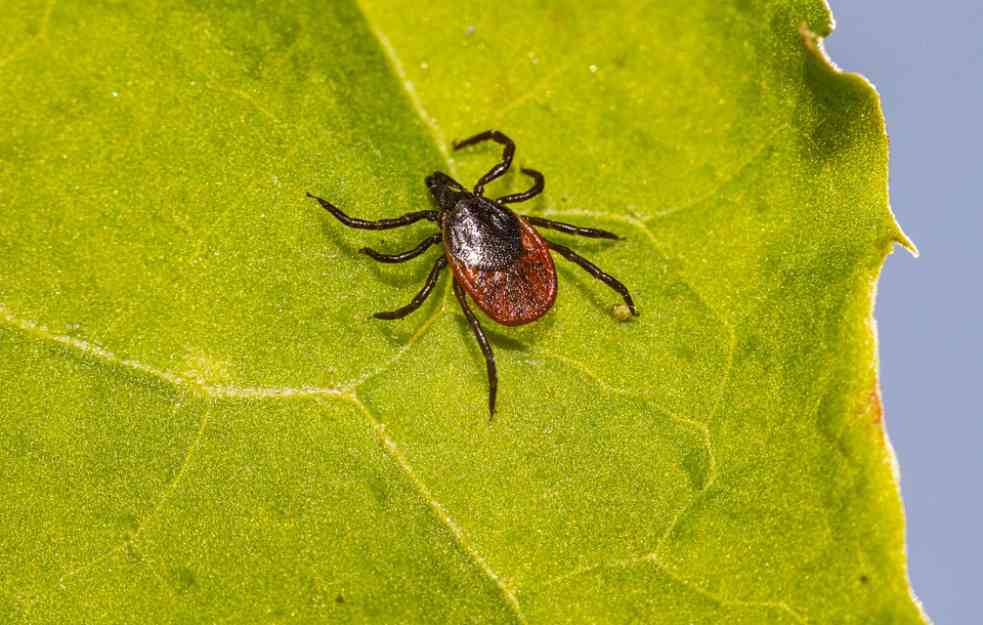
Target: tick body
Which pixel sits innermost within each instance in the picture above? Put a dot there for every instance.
(496, 256)
(499, 259)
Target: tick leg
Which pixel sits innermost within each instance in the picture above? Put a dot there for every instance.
(595, 271)
(594, 233)
(485, 347)
(382, 224)
(403, 256)
(539, 183)
(497, 170)
(420, 297)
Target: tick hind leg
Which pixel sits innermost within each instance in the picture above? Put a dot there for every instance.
(402, 257)
(500, 168)
(381, 224)
(538, 184)
(485, 347)
(420, 297)
(595, 271)
(594, 233)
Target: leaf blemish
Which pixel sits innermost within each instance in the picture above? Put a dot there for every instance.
(183, 578)
(875, 408)
(697, 468)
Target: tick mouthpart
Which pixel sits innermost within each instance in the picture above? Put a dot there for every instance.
(445, 190)
(438, 181)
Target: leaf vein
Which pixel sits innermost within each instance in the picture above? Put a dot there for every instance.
(167, 492)
(741, 168)
(641, 225)
(41, 35)
(604, 384)
(390, 447)
(775, 605)
(571, 61)
(354, 383)
(409, 88)
(180, 380)
(650, 559)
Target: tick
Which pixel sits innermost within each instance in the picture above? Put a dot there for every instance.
(497, 256)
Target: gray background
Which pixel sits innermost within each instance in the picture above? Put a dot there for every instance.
(926, 59)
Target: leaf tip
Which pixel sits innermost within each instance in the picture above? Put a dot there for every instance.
(813, 43)
(902, 239)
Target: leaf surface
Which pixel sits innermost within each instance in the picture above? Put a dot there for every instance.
(201, 422)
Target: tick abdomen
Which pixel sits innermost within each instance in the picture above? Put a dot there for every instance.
(518, 292)
(483, 235)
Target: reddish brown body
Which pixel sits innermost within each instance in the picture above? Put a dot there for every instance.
(519, 292)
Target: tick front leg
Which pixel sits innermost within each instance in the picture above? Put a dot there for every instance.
(381, 224)
(403, 256)
(420, 297)
(593, 233)
(538, 184)
(595, 271)
(485, 348)
(497, 170)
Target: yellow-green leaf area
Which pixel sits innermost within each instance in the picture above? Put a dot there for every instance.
(200, 421)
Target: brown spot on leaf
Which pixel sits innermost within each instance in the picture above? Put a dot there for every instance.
(874, 409)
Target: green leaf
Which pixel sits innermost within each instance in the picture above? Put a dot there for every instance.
(201, 422)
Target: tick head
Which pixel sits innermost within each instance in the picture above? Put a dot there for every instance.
(445, 190)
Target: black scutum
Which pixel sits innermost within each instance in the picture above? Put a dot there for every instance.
(482, 234)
